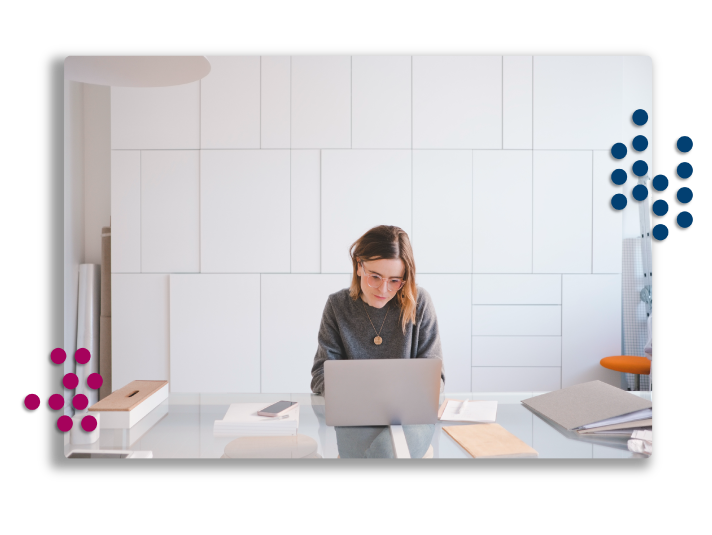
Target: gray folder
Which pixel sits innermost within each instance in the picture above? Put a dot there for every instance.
(585, 404)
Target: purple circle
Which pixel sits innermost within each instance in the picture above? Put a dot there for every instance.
(64, 423)
(70, 381)
(58, 355)
(88, 423)
(80, 402)
(32, 401)
(82, 355)
(94, 381)
(56, 402)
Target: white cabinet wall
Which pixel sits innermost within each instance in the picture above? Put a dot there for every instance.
(246, 189)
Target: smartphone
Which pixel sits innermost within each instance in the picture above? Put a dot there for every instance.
(278, 408)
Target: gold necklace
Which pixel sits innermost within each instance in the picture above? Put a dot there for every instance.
(377, 340)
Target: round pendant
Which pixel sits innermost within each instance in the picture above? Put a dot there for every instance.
(378, 340)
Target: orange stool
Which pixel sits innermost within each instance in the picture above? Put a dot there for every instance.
(627, 364)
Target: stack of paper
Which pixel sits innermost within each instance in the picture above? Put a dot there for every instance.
(469, 411)
(241, 420)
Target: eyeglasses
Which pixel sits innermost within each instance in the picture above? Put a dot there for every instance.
(376, 281)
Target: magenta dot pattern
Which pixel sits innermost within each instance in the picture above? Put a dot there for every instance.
(94, 381)
(80, 402)
(89, 423)
(58, 355)
(70, 381)
(64, 423)
(82, 355)
(56, 402)
(32, 401)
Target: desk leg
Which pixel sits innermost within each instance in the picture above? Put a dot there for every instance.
(400, 446)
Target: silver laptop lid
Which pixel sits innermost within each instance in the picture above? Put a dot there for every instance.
(381, 391)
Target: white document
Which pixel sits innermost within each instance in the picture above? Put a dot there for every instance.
(470, 411)
(242, 419)
(643, 414)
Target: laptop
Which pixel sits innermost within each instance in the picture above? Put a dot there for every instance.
(381, 391)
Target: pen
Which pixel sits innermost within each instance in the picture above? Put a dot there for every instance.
(462, 407)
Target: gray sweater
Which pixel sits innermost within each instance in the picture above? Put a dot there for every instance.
(347, 333)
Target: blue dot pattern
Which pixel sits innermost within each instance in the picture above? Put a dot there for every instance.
(640, 143)
(619, 201)
(684, 144)
(619, 176)
(618, 151)
(684, 219)
(660, 232)
(640, 192)
(640, 168)
(684, 195)
(640, 117)
(660, 208)
(684, 170)
(660, 183)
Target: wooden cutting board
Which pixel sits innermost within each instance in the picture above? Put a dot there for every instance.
(128, 397)
(489, 440)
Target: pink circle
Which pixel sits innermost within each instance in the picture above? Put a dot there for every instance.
(32, 401)
(80, 402)
(56, 402)
(64, 423)
(94, 381)
(70, 381)
(58, 355)
(88, 423)
(82, 355)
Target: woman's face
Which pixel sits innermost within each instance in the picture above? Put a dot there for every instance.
(387, 269)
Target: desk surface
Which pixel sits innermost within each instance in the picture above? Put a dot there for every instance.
(182, 428)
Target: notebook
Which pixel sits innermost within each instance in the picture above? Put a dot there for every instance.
(489, 441)
(587, 403)
(468, 411)
(626, 427)
(242, 419)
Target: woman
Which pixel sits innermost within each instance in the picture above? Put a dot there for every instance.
(383, 315)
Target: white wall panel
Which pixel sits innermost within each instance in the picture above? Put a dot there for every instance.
(215, 326)
(513, 320)
(516, 351)
(562, 211)
(502, 211)
(230, 103)
(517, 102)
(361, 189)
(452, 308)
(275, 102)
(442, 178)
(305, 211)
(170, 219)
(516, 289)
(591, 327)
(457, 102)
(244, 207)
(607, 221)
(125, 211)
(291, 310)
(321, 102)
(577, 102)
(381, 106)
(511, 379)
(139, 329)
(156, 117)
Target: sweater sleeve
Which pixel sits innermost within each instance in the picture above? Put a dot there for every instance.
(429, 346)
(329, 347)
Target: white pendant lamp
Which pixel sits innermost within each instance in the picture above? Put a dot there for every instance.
(136, 71)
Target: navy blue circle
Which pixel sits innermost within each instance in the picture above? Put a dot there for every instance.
(618, 151)
(660, 183)
(640, 168)
(640, 143)
(619, 176)
(660, 232)
(619, 201)
(684, 219)
(660, 207)
(684, 170)
(640, 117)
(684, 144)
(640, 192)
(684, 195)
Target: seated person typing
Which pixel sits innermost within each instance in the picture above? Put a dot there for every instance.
(383, 315)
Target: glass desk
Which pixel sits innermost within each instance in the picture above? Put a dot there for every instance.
(182, 428)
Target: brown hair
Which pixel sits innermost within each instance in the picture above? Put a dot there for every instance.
(387, 242)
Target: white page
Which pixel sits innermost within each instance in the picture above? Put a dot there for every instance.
(474, 411)
(642, 414)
